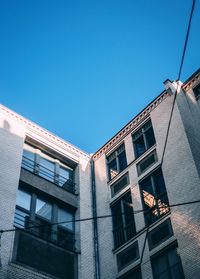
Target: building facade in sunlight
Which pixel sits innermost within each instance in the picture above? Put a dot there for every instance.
(125, 212)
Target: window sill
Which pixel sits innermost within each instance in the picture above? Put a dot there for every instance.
(130, 241)
(135, 161)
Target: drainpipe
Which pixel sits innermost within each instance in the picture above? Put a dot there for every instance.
(0, 247)
(95, 225)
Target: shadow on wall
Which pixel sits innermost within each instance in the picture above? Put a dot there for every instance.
(6, 125)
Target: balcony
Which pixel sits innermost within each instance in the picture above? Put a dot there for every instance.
(42, 256)
(59, 180)
(43, 229)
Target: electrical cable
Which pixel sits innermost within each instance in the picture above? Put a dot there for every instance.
(98, 217)
(179, 76)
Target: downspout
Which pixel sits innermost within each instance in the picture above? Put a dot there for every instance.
(95, 224)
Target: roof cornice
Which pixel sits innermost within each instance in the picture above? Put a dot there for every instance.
(33, 128)
(129, 127)
(192, 81)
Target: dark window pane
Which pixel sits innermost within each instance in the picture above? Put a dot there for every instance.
(159, 182)
(122, 161)
(45, 257)
(65, 175)
(112, 166)
(139, 146)
(168, 265)
(64, 216)
(117, 215)
(43, 209)
(23, 199)
(123, 220)
(150, 139)
(116, 161)
(128, 256)
(22, 219)
(42, 228)
(65, 238)
(146, 162)
(197, 91)
(154, 195)
(160, 234)
(119, 184)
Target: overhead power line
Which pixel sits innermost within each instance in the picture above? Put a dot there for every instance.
(98, 217)
(173, 105)
(178, 78)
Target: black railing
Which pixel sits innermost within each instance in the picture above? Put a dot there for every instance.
(45, 230)
(123, 234)
(40, 170)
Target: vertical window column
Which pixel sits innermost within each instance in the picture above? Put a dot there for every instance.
(116, 162)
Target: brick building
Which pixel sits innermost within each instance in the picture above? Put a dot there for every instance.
(48, 186)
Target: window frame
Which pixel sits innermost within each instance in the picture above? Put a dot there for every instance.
(34, 219)
(54, 176)
(196, 89)
(130, 272)
(135, 246)
(156, 198)
(156, 230)
(112, 186)
(143, 134)
(164, 253)
(116, 154)
(120, 230)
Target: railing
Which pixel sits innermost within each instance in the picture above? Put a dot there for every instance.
(42, 171)
(32, 251)
(45, 230)
(123, 234)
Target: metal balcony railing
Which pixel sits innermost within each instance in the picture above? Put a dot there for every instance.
(40, 170)
(43, 229)
(123, 234)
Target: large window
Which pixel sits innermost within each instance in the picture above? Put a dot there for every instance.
(116, 162)
(48, 167)
(154, 196)
(167, 265)
(128, 256)
(123, 220)
(36, 215)
(143, 139)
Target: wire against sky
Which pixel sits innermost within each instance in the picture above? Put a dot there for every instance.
(139, 211)
(179, 76)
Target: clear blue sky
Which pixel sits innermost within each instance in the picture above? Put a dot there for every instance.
(83, 69)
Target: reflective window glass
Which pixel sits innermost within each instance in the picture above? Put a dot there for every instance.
(47, 169)
(28, 160)
(23, 199)
(65, 216)
(43, 209)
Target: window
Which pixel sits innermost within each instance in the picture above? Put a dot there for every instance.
(143, 139)
(133, 274)
(123, 220)
(36, 215)
(160, 234)
(116, 162)
(119, 184)
(196, 91)
(48, 168)
(128, 256)
(167, 265)
(154, 196)
(147, 162)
